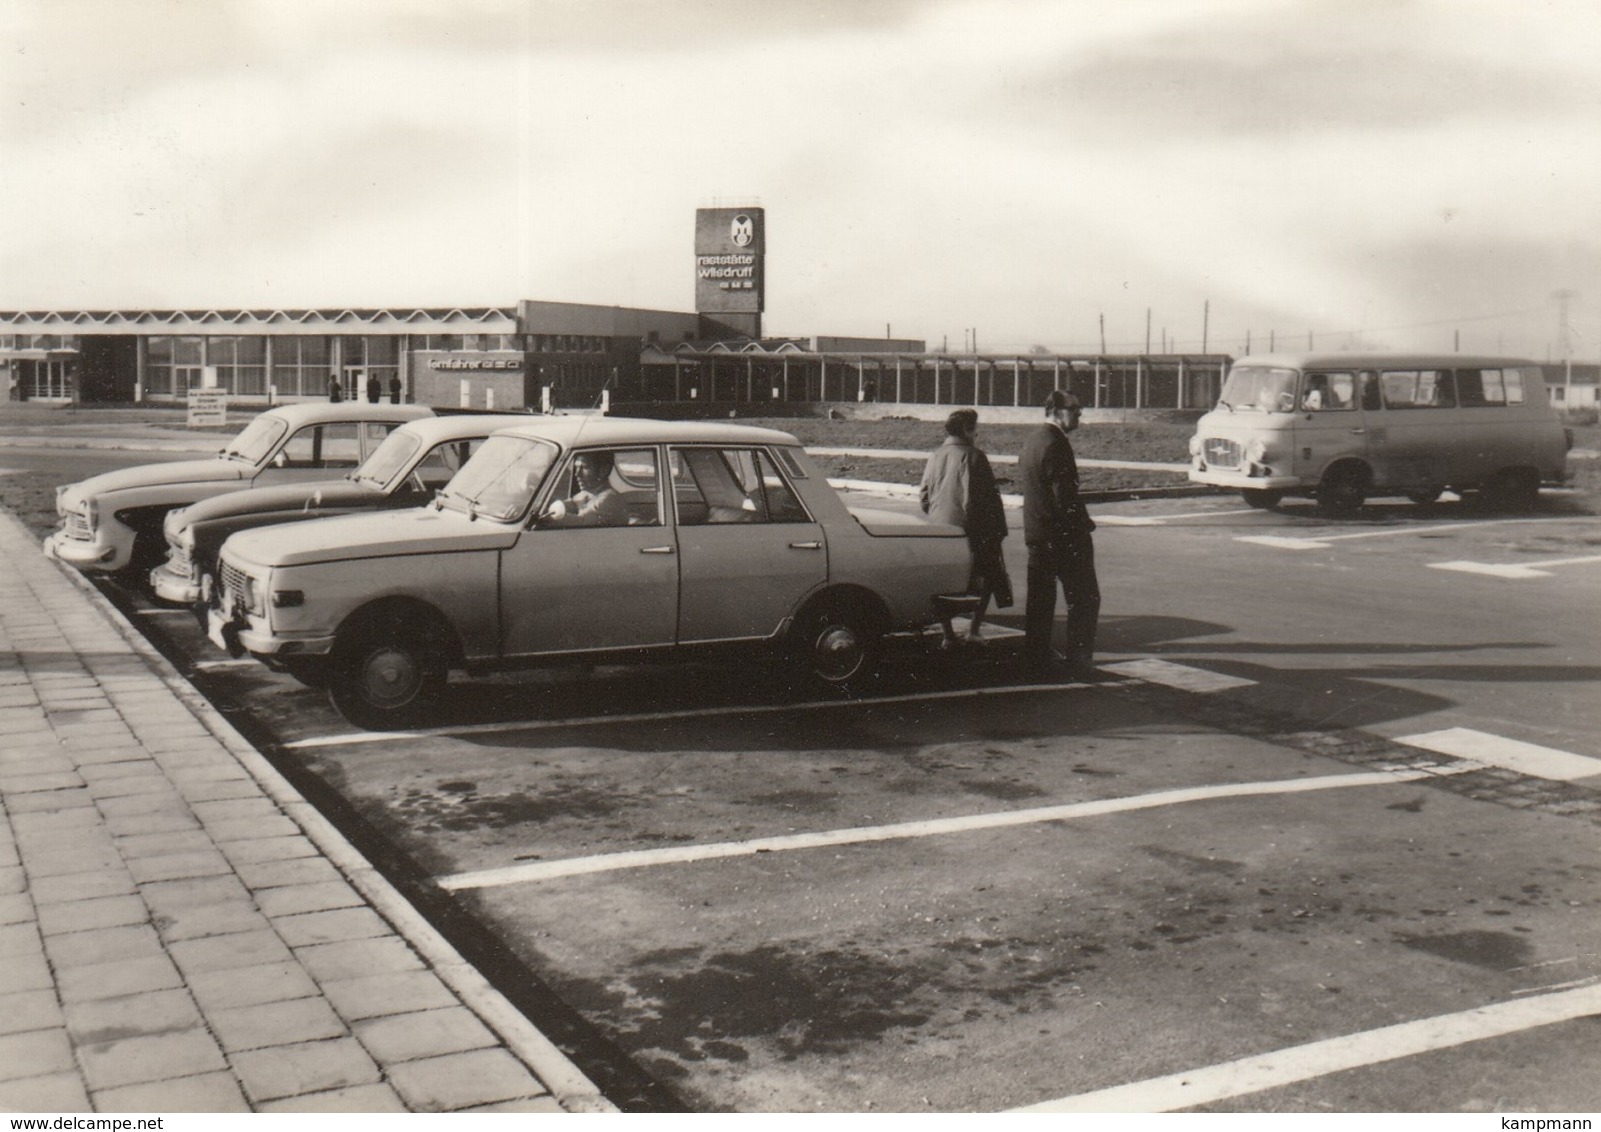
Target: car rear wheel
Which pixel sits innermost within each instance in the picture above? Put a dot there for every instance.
(1261, 498)
(1424, 495)
(386, 674)
(837, 645)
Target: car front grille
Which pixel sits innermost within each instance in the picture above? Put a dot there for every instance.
(178, 559)
(1220, 453)
(233, 587)
(76, 526)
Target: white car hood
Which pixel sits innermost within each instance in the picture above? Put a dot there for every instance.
(421, 530)
(214, 470)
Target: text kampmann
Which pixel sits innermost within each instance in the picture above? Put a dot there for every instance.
(1540, 1124)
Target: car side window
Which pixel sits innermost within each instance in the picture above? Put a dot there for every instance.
(599, 487)
(436, 468)
(322, 446)
(374, 433)
(713, 486)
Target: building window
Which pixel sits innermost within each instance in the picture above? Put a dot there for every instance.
(300, 366)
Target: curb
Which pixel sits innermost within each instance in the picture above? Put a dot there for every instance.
(567, 1084)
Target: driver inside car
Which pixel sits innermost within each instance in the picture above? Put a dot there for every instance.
(595, 503)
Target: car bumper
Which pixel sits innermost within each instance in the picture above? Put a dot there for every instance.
(236, 637)
(83, 555)
(180, 589)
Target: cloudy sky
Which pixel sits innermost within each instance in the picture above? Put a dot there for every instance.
(1395, 173)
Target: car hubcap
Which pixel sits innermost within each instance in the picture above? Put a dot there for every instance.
(838, 652)
(390, 677)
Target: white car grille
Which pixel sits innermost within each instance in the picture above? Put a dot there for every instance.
(233, 587)
(178, 559)
(76, 526)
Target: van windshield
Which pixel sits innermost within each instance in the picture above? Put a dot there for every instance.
(1259, 389)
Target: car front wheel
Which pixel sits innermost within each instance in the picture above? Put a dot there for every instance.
(387, 675)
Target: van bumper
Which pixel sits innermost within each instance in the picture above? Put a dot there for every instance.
(1240, 481)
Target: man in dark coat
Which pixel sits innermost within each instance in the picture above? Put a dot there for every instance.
(958, 488)
(334, 393)
(1056, 528)
(394, 389)
(375, 389)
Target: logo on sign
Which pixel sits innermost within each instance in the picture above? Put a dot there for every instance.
(742, 230)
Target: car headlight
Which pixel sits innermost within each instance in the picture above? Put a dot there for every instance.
(252, 595)
(1195, 445)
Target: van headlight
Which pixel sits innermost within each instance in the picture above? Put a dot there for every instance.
(252, 595)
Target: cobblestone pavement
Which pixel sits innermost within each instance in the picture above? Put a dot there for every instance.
(181, 932)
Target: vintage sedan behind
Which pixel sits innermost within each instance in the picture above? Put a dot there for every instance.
(112, 522)
(405, 470)
(571, 538)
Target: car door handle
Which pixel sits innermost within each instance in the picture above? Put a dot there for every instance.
(1358, 431)
(806, 546)
(655, 550)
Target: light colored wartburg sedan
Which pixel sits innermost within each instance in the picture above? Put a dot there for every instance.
(584, 538)
(112, 522)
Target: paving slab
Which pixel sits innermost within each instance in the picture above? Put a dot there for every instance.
(178, 932)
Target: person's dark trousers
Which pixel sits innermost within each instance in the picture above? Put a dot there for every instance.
(1069, 562)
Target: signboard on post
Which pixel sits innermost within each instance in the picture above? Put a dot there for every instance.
(208, 408)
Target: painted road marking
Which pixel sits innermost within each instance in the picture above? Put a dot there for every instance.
(1512, 754)
(1180, 676)
(1319, 542)
(1509, 570)
(667, 716)
(241, 662)
(683, 854)
(1332, 1055)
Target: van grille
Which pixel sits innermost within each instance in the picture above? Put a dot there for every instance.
(1220, 453)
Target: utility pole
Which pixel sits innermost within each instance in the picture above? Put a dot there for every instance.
(1103, 335)
(1564, 343)
(1147, 330)
(1206, 318)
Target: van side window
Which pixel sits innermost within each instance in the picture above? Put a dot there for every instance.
(1418, 389)
(1370, 390)
(1492, 386)
(1326, 391)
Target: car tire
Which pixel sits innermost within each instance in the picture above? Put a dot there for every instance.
(1343, 491)
(1425, 495)
(837, 646)
(1262, 498)
(386, 674)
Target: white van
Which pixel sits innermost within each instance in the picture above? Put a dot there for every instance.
(1343, 427)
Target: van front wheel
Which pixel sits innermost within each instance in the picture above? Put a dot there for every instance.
(1512, 489)
(1343, 491)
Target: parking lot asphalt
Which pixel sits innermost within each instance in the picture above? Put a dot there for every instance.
(181, 931)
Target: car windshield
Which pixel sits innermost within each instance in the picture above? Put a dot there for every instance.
(257, 441)
(387, 459)
(1259, 389)
(500, 479)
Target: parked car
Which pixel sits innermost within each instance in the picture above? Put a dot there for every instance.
(413, 462)
(112, 522)
(572, 538)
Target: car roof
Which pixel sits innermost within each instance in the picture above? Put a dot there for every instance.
(304, 411)
(575, 429)
(1353, 360)
(433, 430)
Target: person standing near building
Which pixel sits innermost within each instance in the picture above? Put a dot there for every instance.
(958, 488)
(334, 393)
(1057, 529)
(394, 389)
(375, 389)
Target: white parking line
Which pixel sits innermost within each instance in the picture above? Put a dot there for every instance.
(1509, 570)
(682, 854)
(666, 716)
(241, 662)
(1513, 754)
(1181, 676)
(1333, 1055)
(1290, 542)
